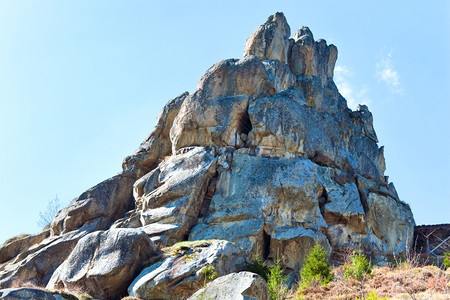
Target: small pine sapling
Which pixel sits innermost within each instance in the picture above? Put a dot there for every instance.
(316, 268)
(358, 266)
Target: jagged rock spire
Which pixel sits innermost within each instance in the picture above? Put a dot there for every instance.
(312, 58)
(270, 40)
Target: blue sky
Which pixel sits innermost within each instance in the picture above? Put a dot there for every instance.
(82, 82)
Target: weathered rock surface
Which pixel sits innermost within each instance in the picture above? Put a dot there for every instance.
(10, 248)
(157, 145)
(165, 208)
(234, 286)
(312, 58)
(183, 271)
(248, 76)
(105, 262)
(37, 263)
(28, 293)
(265, 155)
(270, 40)
(211, 122)
(100, 205)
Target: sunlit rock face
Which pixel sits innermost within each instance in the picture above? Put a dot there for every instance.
(265, 155)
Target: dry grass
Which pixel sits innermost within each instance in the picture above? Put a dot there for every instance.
(400, 282)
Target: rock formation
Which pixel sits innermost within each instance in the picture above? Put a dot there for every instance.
(263, 158)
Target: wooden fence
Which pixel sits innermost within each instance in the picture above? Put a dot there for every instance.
(432, 239)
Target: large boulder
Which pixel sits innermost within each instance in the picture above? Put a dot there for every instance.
(186, 269)
(37, 263)
(234, 286)
(210, 122)
(105, 262)
(291, 245)
(29, 293)
(248, 76)
(167, 205)
(19, 244)
(100, 205)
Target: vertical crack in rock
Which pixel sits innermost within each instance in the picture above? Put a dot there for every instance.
(265, 245)
(210, 190)
(362, 196)
(323, 199)
(243, 129)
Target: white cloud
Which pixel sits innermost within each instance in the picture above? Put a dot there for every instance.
(387, 73)
(354, 96)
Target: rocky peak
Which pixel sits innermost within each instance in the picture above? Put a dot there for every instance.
(304, 36)
(312, 58)
(270, 40)
(263, 158)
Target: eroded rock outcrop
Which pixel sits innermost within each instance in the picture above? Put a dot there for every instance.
(186, 269)
(265, 156)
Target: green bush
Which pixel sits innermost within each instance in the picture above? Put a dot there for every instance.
(316, 268)
(277, 282)
(358, 266)
(447, 260)
(209, 273)
(259, 267)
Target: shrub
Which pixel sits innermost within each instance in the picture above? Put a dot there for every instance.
(209, 273)
(358, 266)
(447, 260)
(277, 282)
(316, 268)
(259, 267)
(273, 275)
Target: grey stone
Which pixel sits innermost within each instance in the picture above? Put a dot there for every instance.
(291, 245)
(312, 58)
(234, 286)
(284, 193)
(15, 246)
(104, 263)
(390, 223)
(181, 273)
(25, 293)
(106, 202)
(157, 145)
(247, 76)
(37, 263)
(210, 122)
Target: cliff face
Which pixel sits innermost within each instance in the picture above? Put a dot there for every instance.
(264, 155)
